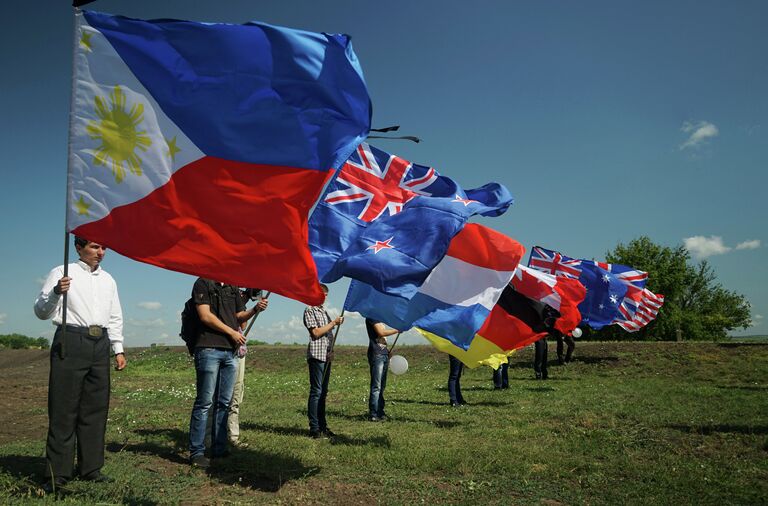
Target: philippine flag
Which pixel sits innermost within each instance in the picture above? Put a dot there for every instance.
(201, 147)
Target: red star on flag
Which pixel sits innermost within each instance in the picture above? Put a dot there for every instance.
(380, 245)
(466, 202)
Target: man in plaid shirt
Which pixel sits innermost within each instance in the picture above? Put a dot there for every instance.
(320, 327)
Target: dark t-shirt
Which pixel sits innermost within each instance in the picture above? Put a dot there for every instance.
(373, 346)
(225, 302)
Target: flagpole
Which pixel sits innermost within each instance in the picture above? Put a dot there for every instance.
(389, 352)
(329, 358)
(254, 317)
(66, 185)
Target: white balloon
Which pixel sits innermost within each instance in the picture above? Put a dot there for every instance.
(398, 364)
(576, 332)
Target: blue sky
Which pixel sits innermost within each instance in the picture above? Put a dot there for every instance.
(607, 120)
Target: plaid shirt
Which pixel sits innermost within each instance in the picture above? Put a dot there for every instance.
(316, 317)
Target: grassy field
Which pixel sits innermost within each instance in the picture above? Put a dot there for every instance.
(626, 423)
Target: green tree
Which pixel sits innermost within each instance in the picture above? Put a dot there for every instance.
(19, 342)
(694, 302)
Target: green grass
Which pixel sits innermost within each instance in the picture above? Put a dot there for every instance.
(626, 423)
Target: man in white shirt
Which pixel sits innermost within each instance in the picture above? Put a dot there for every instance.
(78, 386)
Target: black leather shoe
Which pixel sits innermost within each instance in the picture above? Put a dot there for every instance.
(50, 486)
(316, 434)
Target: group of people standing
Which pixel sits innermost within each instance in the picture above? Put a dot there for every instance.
(90, 324)
(82, 300)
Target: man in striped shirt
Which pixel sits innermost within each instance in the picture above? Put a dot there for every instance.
(320, 326)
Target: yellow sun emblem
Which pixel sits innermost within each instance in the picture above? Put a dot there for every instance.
(119, 134)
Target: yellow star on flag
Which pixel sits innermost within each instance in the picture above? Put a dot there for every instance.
(85, 41)
(172, 148)
(82, 206)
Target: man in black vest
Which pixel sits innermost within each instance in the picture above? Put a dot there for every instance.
(221, 310)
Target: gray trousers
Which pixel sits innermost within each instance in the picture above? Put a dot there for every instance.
(78, 401)
(233, 420)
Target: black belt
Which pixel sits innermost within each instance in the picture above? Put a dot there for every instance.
(90, 331)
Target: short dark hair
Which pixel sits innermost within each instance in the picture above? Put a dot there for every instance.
(81, 241)
(324, 288)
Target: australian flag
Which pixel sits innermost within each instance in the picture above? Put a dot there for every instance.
(605, 290)
(387, 222)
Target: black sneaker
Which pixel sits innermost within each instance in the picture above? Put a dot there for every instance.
(328, 433)
(374, 419)
(200, 461)
(316, 434)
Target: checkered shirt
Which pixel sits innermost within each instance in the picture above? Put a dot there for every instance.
(316, 317)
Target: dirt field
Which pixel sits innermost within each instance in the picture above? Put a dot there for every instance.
(24, 387)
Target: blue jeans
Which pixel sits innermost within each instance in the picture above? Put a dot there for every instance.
(454, 380)
(379, 364)
(216, 373)
(318, 391)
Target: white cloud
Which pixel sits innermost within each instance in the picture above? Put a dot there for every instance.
(698, 133)
(753, 244)
(3, 316)
(156, 323)
(151, 306)
(756, 320)
(702, 247)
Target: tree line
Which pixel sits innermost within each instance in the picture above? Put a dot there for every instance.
(696, 306)
(20, 342)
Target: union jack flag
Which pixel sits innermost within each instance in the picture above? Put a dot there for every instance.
(554, 263)
(384, 220)
(383, 182)
(645, 310)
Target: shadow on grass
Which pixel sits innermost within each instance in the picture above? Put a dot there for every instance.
(540, 389)
(257, 470)
(27, 472)
(447, 404)
(163, 450)
(249, 468)
(446, 424)
(707, 430)
(750, 388)
(380, 441)
(607, 360)
(741, 345)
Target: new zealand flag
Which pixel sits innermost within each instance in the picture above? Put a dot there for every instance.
(387, 222)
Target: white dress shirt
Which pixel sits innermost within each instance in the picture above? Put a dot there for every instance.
(91, 300)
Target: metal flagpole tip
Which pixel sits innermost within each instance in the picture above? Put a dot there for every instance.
(398, 365)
